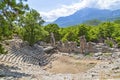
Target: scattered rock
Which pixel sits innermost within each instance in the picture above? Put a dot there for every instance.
(26, 58)
(98, 54)
(115, 68)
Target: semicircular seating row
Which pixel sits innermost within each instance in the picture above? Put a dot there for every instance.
(24, 55)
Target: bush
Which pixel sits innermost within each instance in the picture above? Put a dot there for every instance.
(118, 45)
(109, 43)
(2, 50)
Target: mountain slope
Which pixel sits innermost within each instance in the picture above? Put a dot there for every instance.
(87, 14)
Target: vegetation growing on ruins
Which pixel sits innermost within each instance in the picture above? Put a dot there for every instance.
(18, 18)
(10, 12)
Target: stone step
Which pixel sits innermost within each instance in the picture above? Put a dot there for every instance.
(13, 58)
(20, 56)
(9, 57)
(26, 58)
(12, 49)
(4, 58)
(19, 59)
(34, 61)
(31, 60)
(1, 56)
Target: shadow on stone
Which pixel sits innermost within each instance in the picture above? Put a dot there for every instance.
(10, 71)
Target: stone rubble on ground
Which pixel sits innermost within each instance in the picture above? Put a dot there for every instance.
(26, 63)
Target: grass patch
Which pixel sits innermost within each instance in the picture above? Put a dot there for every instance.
(89, 54)
(107, 54)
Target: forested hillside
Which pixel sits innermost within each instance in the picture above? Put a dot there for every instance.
(92, 33)
(87, 14)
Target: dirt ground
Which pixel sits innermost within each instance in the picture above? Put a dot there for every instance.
(67, 64)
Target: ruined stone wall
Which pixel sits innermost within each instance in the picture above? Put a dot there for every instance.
(52, 39)
(85, 47)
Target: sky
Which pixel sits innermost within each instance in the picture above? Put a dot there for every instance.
(50, 10)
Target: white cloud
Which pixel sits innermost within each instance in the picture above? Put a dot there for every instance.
(66, 10)
(108, 4)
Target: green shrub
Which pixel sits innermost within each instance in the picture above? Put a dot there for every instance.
(109, 43)
(119, 45)
(2, 50)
